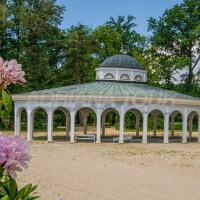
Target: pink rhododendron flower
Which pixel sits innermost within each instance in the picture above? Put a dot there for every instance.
(14, 153)
(10, 72)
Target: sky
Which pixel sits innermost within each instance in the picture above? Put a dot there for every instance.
(97, 12)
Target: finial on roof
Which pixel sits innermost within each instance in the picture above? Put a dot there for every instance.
(122, 51)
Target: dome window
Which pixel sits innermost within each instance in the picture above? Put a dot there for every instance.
(109, 76)
(124, 77)
(138, 78)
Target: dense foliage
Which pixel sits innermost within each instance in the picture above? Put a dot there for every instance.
(30, 32)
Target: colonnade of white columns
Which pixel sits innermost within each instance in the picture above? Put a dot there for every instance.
(101, 123)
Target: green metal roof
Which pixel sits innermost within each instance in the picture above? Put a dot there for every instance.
(114, 88)
(121, 60)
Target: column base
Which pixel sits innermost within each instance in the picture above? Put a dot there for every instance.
(184, 142)
(165, 142)
(121, 142)
(50, 141)
(98, 142)
(145, 142)
(71, 142)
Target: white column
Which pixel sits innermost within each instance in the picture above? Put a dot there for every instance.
(101, 74)
(144, 135)
(17, 122)
(72, 127)
(190, 127)
(166, 128)
(184, 131)
(132, 78)
(117, 75)
(98, 127)
(121, 133)
(198, 128)
(30, 118)
(50, 126)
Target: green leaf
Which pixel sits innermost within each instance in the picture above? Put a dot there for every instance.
(5, 198)
(20, 194)
(36, 197)
(7, 100)
(29, 189)
(12, 188)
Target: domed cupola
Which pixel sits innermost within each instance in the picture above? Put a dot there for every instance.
(121, 68)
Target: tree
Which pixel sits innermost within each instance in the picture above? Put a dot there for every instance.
(176, 34)
(81, 46)
(5, 31)
(108, 40)
(29, 32)
(130, 39)
(41, 37)
(160, 67)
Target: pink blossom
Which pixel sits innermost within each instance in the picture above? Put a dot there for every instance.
(14, 153)
(10, 72)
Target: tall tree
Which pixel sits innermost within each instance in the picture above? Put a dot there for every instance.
(5, 31)
(160, 67)
(81, 46)
(37, 39)
(108, 40)
(176, 34)
(130, 39)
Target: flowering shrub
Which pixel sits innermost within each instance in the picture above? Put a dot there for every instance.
(10, 72)
(14, 151)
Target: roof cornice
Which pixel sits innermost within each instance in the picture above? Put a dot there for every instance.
(105, 98)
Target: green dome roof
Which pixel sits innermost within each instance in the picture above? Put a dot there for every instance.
(121, 60)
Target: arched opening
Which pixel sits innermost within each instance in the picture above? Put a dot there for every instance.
(109, 76)
(124, 77)
(155, 126)
(21, 122)
(61, 124)
(193, 126)
(133, 124)
(138, 78)
(85, 123)
(110, 124)
(176, 125)
(40, 120)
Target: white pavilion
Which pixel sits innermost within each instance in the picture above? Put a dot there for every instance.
(120, 86)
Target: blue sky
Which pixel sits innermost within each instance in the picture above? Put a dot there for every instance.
(97, 12)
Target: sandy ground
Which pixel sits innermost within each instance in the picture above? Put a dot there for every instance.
(107, 171)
